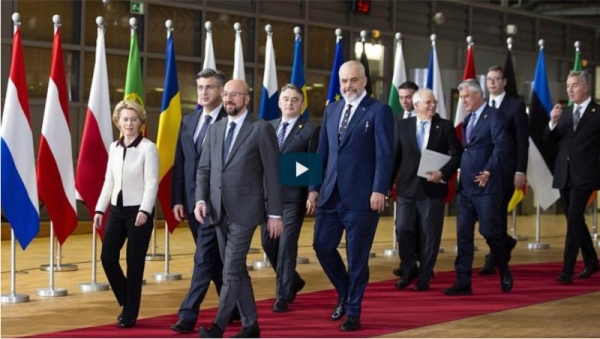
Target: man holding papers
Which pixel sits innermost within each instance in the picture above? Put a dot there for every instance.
(417, 197)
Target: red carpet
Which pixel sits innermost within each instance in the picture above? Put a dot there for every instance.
(385, 309)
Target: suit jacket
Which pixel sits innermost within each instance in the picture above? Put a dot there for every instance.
(362, 162)
(485, 152)
(303, 138)
(407, 156)
(517, 128)
(237, 185)
(578, 158)
(183, 177)
(136, 175)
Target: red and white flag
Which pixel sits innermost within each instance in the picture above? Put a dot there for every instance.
(97, 134)
(55, 179)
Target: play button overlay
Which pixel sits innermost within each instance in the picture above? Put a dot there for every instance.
(300, 169)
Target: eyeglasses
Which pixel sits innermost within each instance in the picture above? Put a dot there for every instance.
(207, 88)
(493, 79)
(233, 95)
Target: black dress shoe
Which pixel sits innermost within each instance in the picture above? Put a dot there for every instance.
(397, 271)
(421, 286)
(565, 278)
(183, 326)
(211, 332)
(280, 306)
(339, 311)
(588, 271)
(248, 332)
(124, 323)
(120, 316)
(506, 281)
(351, 323)
(458, 290)
(404, 282)
(488, 266)
(298, 286)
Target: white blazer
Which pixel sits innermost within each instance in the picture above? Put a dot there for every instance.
(136, 175)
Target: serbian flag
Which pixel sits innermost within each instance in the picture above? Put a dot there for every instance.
(55, 179)
(97, 135)
(19, 190)
(298, 72)
(168, 130)
(269, 109)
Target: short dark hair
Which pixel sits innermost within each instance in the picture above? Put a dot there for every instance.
(409, 85)
(293, 88)
(496, 68)
(211, 73)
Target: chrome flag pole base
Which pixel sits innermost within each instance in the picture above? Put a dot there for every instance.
(60, 267)
(14, 298)
(52, 292)
(93, 287)
(166, 276)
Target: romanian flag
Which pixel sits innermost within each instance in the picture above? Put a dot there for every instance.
(334, 93)
(398, 78)
(97, 135)
(298, 73)
(55, 177)
(17, 164)
(168, 130)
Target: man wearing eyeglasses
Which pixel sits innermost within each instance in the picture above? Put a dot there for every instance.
(192, 134)
(237, 185)
(295, 134)
(517, 152)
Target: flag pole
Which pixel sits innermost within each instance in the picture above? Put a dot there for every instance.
(167, 275)
(13, 297)
(51, 291)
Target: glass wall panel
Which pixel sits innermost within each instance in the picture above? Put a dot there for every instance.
(116, 17)
(317, 86)
(36, 20)
(320, 49)
(37, 66)
(224, 35)
(283, 41)
(187, 30)
(117, 69)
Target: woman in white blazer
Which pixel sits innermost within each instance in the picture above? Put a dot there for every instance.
(130, 186)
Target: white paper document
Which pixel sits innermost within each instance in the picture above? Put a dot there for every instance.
(431, 161)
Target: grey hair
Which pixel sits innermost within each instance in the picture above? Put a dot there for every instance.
(583, 76)
(471, 84)
(418, 96)
(293, 88)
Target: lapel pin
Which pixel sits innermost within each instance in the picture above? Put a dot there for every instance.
(593, 110)
(299, 126)
(485, 116)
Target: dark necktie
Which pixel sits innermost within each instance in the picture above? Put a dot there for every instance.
(228, 140)
(281, 134)
(470, 127)
(421, 134)
(202, 134)
(344, 125)
(576, 117)
(493, 103)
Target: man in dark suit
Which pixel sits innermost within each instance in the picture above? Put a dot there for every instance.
(406, 90)
(294, 135)
(356, 143)
(237, 185)
(480, 187)
(515, 162)
(576, 131)
(192, 133)
(420, 201)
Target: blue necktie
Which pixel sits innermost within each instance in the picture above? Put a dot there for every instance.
(470, 127)
(281, 134)
(344, 125)
(202, 134)
(576, 117)
(421, 135)
(228, 140)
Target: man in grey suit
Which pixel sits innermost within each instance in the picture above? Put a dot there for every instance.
(238, 171)
(294, 135)
(192, 133)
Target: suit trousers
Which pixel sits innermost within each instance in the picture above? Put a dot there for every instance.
(207, 266)
(283, 251)
(509, 191)
(332, 220)
(120, 226)
(234, 244)
(427, 232)
(486, 210)
(578, 235)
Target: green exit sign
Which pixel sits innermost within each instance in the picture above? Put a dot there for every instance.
(138, 7)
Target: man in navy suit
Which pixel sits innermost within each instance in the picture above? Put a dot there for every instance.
(356, 144)
(420, 201)
(515, 162)
(294, 135)
(192, 133)
(480, 187)
(576, 131)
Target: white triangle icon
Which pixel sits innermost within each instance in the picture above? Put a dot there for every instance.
(300, 169)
